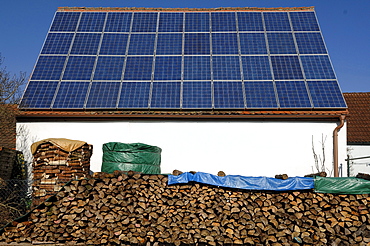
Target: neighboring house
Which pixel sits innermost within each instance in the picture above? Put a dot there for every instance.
(247, 91)
(358, 131)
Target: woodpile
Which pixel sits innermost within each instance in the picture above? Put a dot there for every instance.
(53, 167)
(7, 162)
(141, 209)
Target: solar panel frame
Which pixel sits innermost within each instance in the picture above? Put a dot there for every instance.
(114, 44)
(197, 94)
(223, 21)
(92, 22)
(293, 94)
(310, 43)
(317, 67)
(260, 94)
(65, 21)
(118, 22)
(70, 95)
(57, 43)
(250, 22)
(212, 51)
(134, 95)
(79, 68)
(195, 24)
(39, 94)
(228, 94)
(103, 95)
(49, 68)
(165, 95)
(109, 68)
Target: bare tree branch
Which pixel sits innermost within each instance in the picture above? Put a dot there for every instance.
(10, 85)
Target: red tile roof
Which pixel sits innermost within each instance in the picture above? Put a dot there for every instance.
(358, 127)
(91, 114)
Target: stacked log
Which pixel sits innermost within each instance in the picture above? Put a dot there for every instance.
(7, 162)
(140, 209)
(53, 167)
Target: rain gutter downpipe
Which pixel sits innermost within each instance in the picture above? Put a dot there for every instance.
(335, 145)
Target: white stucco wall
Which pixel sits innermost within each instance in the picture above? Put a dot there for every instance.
(249, 148)
(361, 165)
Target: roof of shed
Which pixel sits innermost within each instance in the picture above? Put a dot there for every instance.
(358, 127)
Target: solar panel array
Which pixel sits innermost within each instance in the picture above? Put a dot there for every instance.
(183, 60)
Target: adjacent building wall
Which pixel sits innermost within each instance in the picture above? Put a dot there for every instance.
(360, 165)
(238, 147)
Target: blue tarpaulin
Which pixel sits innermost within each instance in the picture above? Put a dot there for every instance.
(244, 182)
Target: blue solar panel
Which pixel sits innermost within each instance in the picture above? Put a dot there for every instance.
(48, 68)
(79, 68)
(183, 59)
(134, 95)
(310, 43)
(39, 94)
(226, 68)
(92, 22)
(326, 94)
(304, 21)
(281, 43)
(292, 94)
(141, 44)
(138, 68)
(114, 44)
(224, 21)
(197, 22)
(118, 22)
(197, 44)
(103, 95)
(197, 68)
(260, 94)
(109, 68)
(169, 44)
(250, 21)
(286, 67)
(228, 95)
(167, 68)
(197, 95)
(256, 68)
(57, 43)
(65, 22)
(166, 95)
(86, 44)
(317, 67)
(277, 21)
(71, 95)
(252, 43)
(171, 22)
(145, 22)
(225, 43)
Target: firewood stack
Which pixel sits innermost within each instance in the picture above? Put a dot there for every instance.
(53, 167)
(140, 209)
(7, 161)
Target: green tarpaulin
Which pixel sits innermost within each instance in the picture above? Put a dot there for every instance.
(136, 157)
(342, 185)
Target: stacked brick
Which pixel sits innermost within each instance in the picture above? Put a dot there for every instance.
(53, 167)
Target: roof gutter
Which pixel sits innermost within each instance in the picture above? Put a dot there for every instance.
(335, 145)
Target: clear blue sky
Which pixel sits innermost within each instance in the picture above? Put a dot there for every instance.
(344, 24)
